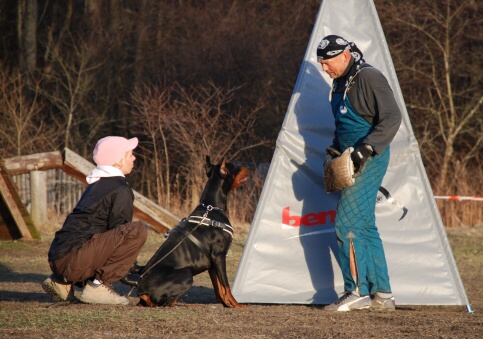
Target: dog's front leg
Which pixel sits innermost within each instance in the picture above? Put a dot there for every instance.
(222, 287)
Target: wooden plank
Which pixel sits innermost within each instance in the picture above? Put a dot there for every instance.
(154, 215)
(145, 210)
(14, 213)
(34, 162)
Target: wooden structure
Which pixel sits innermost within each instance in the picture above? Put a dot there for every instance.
(34, 162)
(36, 166)
(15, 221)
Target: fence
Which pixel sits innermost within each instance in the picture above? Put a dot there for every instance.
(63, 191)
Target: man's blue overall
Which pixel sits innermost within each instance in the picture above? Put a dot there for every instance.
(355, 210)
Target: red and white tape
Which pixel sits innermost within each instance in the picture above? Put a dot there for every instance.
(456, 197)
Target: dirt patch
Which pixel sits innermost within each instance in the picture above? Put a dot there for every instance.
(26, 311)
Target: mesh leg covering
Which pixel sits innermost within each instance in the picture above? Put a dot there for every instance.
(355, 213)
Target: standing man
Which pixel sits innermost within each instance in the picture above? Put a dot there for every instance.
(98, 242)
(366, 118)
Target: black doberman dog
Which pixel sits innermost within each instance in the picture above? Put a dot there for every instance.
(198, 243)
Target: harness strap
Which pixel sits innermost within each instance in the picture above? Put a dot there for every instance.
(178, 227)
(198, 243)
(210, 222)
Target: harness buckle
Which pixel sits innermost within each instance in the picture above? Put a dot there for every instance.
(209, 208)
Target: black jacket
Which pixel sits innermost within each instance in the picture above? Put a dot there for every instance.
(105, 204)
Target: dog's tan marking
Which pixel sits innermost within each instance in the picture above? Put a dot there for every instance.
(241, 178)
(148, 301)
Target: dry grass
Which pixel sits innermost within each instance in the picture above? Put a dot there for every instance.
(25, 311)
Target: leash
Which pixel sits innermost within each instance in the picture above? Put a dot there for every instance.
(180, 229)
(146, 270)
(187, 234)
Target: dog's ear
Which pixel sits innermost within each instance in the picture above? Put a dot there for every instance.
(223, 169)
(208, 165)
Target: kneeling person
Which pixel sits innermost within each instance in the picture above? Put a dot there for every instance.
(98, 241)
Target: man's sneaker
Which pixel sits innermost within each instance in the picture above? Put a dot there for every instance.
(383, 303)
(101, 294)
(348, 302)
(58, 290)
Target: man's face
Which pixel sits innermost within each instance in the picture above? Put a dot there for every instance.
(336, 66)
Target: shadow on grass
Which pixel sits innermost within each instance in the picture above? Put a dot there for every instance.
(195, 295)
(7, 274)
(26, 297)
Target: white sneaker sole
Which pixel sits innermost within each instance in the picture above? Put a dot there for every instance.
(347, 306)
(97, 302)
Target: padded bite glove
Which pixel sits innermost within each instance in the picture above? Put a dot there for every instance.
(331, 152)
(360, 156)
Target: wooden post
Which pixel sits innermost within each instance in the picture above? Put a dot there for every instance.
(38, 196)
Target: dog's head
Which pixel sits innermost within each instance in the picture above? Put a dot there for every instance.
(236, 176)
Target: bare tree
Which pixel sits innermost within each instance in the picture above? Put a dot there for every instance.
(151, 112)
(438, 58)
(55, 33)
(23, 129)
(27, 38)
(72, 90)
(187, 125)
(203, 126)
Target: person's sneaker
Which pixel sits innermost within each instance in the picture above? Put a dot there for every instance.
(378, 302)
(101, 294)
(58, 290)
(348, 302)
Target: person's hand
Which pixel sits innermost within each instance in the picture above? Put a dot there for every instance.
(360, 156)
(331, 152)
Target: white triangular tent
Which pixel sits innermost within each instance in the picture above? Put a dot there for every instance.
(291, 252)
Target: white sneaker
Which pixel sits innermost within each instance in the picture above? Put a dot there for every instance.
(59, 291)
(378, 302)
(101, 294)
(348, 302)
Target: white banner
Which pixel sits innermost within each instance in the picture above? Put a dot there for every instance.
(291, 252)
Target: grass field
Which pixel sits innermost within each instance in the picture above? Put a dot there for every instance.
(27, 312)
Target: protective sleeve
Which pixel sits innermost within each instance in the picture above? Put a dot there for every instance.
(373, 99)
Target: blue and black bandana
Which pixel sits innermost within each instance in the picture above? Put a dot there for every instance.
(333, 45)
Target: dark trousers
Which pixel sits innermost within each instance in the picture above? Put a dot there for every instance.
(106, 256)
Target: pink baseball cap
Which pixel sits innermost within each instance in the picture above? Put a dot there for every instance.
(110, 150)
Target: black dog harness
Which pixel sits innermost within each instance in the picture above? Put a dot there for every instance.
(210, 222)
(180, 227)
(204, 221)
